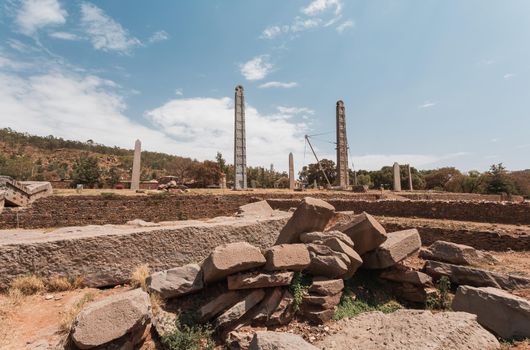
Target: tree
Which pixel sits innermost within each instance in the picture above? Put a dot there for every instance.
(17, 167)
(86, 171)
(312, 172)
(498, 180)
(113, 177)
(221, 162)
(436, 179)
(364, 179)
(206, 173)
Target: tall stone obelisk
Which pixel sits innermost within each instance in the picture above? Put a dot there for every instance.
(291, 172)
(343, 176)
(240, 144)
(410, 178)
(135, 178)
(397, 178)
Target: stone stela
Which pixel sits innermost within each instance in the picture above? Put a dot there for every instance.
(397, 178)
(410, 178)
(135, 178)
(240, 147)
(291, 172)
(343, 178)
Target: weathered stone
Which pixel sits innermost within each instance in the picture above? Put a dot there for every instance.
(397, 247)
(325, 286)
(136, 168)
(294, 257)
(343, 175)
(240, 141)
(324, 301)
(237, 311)
(78, 251)
(311, 215)
(504, 314)
(410, 330)
(327, 262)
(175, 282)
(219, 304)
(339, 246)
(366, 233)
(164, 322)
(111, 318)
(408, 291)
(458, 254)
(238, 340)
(310, 237)
(316, 314)
(397, 177)
(268, 305)
(416, 278)
(260, 280)
(284, 312)
(256, 209)
(266, 340)
(464, 275)
(231, 258)
(292, 180)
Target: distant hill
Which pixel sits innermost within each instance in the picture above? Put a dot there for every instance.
(26, 156)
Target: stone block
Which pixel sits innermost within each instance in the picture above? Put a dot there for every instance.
(310, 237)
(267, 340)
(396, 248)
(325, 286)
(366, 233)
(176, 282)
(219, 304)
(236, 312)
(294, 257)
(458, 254)
(260, 280)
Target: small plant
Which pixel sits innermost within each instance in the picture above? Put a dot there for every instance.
(69, 317)
(139, 277)
(189, 337)
(157, 302)
(441, 299)
(299, 284)
(108, 195)
(58, 284)
(28, 285)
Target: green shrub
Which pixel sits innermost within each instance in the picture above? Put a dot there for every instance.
(299, 284)
(441, 300)
(189, 337)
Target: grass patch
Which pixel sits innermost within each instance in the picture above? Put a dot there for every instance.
(108, 195)
(441, 300)
(139, 277)
(189, 336)
(157, 302)
(67, 322)
(298, 286)
(363, 293)
(28, 285)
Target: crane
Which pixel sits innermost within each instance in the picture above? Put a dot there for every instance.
(318, 161)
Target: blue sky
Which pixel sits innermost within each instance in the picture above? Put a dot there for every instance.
(431, 83)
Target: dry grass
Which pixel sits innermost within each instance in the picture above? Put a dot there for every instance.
(28, 285)
(67, 322)
(139, 276)
(61, 284)
(157, 302)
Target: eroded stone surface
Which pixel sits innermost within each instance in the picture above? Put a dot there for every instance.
(175, 282)
(327, 262)
(310, 237)
(266, 340)
(407, 276)
(341, 247)
(256, 209)
(366, 233)
(458, 254)
(294, 257)
(397, 247)
(325, 286)
(410, 330)
(219, 304)
(231, 258)
(260, 280)
(237, 311)
(503, 313)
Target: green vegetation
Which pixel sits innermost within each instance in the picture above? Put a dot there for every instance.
(441, 300)
(298, 286)
(86, 171)
(363, 293)
(189, 336)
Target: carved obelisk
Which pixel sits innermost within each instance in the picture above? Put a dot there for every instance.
(291, 172)
(397, 178)
(410, 179)
(343, 177)
(135, 178)
(240, 146)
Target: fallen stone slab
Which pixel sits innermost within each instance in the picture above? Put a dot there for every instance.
(78, 251)
(366, 233)
(327, 262)
(313, 237)
(310, 215)
(176, 282)
(231, 258)
(458, 254)
(316, 314)
(505, 314)
(416, 278)
(325, 286)
(268, 305)
(409, 330)
(236, 312)
(256, 209)
(399, 246)
(267, 340)
(284, 312)
(112, 318)
(219, 304)
(341, 247)
(324, 301)
(260, 280)
(471, 276)
(294, 257)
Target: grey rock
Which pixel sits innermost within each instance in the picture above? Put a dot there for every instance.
(458, 254)
(326, 286)
(256, 209)
(327, 262)
(267, 340)
(294, 257)
(176, 282)
(310, 237)
(260, 280)
(416, 278)
(366, 233)
(399, 246)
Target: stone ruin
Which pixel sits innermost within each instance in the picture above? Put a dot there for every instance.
(22, 193)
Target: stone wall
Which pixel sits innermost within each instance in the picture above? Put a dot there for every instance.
(106, 255)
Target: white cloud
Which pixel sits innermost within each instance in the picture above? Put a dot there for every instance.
(271, 32)
(64, 36)
(427, 104)
(161, 35)
(257, 68)
(345, 25)
(318, 6)
(205, 125)
(301, 24)
(35, 14)
(105, 33)
(294, 110)
(179, 92)
(508, 76)
(278, 84)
